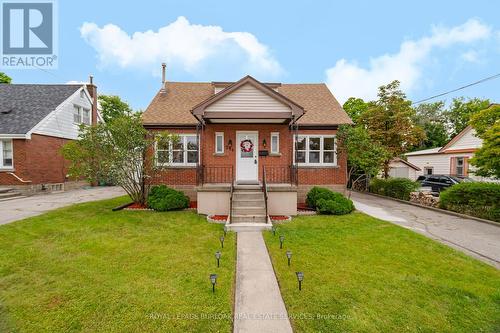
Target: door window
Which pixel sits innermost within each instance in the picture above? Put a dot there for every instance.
(246, 148)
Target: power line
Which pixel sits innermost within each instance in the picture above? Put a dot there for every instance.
(460, 88)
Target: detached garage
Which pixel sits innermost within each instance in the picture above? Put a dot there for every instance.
(400, 168)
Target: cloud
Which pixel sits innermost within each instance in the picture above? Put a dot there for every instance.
(471, 56)
(181, 44)
(348, 78)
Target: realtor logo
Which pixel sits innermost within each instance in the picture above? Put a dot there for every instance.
(28, 34)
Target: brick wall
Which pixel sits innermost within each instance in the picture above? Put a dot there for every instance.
(38, 160)
(307, 175)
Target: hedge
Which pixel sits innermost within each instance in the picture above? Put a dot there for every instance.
(326, 201)
(399, 188)
(163, 198)
(473, 198)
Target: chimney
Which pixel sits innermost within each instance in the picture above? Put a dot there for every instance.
(93, 94)
(163, 80)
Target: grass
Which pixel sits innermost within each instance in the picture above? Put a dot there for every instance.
(366, 275)
(87, 269)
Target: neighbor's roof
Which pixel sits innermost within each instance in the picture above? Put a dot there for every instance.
(23, 106)
(424, 152)
(174, 107)
(411, 165)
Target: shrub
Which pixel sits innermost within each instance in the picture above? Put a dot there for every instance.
(338, 206)
(475, 198)
(399, 188)
(317, 193)
(163, 198)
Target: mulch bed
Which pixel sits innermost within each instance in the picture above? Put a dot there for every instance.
(137, 206)
(280, 218)
(217, 218)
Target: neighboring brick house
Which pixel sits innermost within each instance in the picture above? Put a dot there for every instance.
(234, 132)
(36, 120)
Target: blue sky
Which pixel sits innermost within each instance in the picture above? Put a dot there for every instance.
(431, 46)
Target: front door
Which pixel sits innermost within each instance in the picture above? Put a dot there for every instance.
(247, 160)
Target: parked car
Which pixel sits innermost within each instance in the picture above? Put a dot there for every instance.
(439, 183)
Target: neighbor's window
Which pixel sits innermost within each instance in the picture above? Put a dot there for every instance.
(183, 152)
(275, 143)
(316, 150)
(460, 166)
(6, 155)
(219, 143)
(428, 170)
(81, 115)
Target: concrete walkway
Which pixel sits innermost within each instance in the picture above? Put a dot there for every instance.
(258, 306)
(17, 209)
(477, 239)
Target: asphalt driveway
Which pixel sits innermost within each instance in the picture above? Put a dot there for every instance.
(477, 239)
(17, 209)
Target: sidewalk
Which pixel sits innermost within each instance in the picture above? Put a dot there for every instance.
(258, 305)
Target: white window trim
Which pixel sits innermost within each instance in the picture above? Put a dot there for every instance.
(6, 167)
(182, 137)
(321, 150)
(81, 110)
(221, 151)
(277, 148)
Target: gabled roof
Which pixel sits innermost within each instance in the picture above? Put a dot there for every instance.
(23, 106)
(296, 110)
(174, 106)
(455, 139)
(411, 165)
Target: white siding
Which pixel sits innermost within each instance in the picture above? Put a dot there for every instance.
(468, 141)
(401, 170)
(60, 122)
(248, 99)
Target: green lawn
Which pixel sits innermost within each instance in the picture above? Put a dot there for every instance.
(86, 268)
(365, 275)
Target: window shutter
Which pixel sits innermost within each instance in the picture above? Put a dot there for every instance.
(466, 166)
(453, 165)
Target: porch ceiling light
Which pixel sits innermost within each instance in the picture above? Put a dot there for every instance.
(300, 278)
(213, 280)
(282, 239)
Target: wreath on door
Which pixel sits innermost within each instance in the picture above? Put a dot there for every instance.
(246, 146)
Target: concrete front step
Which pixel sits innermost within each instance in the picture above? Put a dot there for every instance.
(249, 203)
(249, 210)
(247, 188)
(5, 189)
(9, 194)
(248, 218)
(240, 196)
(242, 227)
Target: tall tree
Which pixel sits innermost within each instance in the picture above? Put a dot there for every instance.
(355, 107)
(4, 78)
(460, 111)
(365, 157)
(430, 117)
(390, 122)
(487, 126)
(113, 107)
(121, 151)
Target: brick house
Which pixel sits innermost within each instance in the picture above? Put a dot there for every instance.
(237, 142)
(36, 120)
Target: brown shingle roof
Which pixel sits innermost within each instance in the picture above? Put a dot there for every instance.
(174, 106)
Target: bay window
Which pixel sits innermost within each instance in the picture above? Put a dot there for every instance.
(6, 154)
(316, 150)
(183, 152)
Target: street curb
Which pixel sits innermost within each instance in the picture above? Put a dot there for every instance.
(448, 212)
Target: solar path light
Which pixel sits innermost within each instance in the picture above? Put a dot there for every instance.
(300, 277)
(213, 280)
(217, 256)
(274, 230)
(221, 241)
(289, 256)
(282, 239)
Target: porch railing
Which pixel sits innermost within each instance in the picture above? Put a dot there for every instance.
(264, 190)
(281, 174)
(215, 174)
